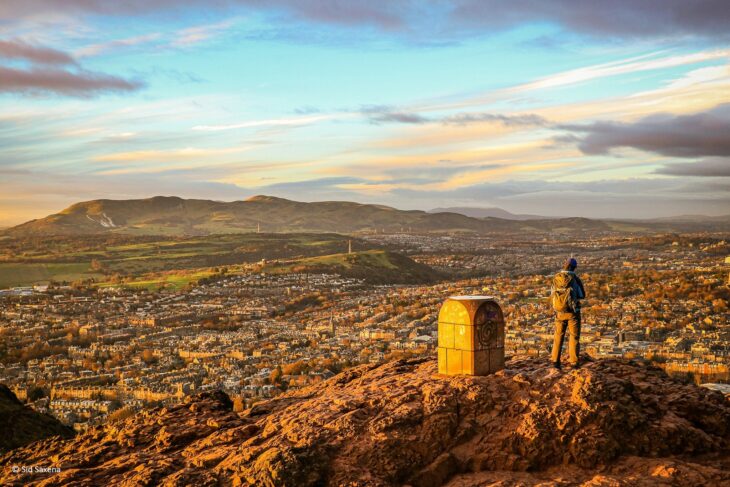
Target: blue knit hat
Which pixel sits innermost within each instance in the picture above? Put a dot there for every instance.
(572, 262)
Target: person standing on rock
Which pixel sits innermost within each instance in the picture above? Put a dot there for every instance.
(566, 293)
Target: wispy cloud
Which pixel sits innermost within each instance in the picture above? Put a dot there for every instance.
(646, 62)
(61, 82)
(292, 121)
(716, 167)
(493, 174)
(95, 49)
(384, 114)
(697, 78)
(200, 33)
(16, 49)
(379, 114)
(632, 65)
(51, 71)
(186, 153)
(516, 120)
(181, 38)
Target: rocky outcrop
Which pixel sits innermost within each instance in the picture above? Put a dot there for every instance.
(21, 425)
(612, 422)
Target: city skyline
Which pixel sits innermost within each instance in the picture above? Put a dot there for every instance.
(617, 110)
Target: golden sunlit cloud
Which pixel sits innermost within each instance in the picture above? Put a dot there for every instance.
(168, 155)
(495, 174)
(365, 188)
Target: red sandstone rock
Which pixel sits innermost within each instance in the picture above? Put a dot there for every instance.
(612, 422)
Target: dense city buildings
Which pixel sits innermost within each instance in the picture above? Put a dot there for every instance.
(86, 352)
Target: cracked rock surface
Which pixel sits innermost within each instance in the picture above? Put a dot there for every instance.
(611, 422)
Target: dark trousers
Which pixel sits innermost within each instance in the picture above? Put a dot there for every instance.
(571, 322)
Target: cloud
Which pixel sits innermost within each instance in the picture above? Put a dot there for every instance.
(384, 114)
(181, 38)
(655, 61)
(704, 77)
(378, 114)
(390, 15)
(53, 72)
(307, 110)
(448, 19)
(176, 75)
(636, 64)
(94, 49)
(712, 167)
(696, 135)
(168, 155)
(292, 121)
(527, 119)
(60, 82)
(399, 118)
(647, 62)
(617, 18)
(16, 49)
(200, 33)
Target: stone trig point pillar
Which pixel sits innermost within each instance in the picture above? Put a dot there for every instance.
(470, 336)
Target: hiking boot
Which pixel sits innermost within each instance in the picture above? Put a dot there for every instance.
(557, 366)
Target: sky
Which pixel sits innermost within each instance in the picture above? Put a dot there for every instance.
(614, 109)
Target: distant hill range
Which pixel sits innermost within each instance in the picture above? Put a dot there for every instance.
(491, 212)
(170, 215)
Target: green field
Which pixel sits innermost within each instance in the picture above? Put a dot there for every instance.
(168, 280)
(20, 274)
(171, 261)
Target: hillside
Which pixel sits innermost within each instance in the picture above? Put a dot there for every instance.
(612, 422)
(375, 266)
(492, 212)
(39, 260)
(21, 425)
(176, 216)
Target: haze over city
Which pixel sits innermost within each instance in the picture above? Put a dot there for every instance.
(562, 109)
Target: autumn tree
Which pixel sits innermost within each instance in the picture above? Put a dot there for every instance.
(275, 376)
(97, 265)
(148, 356)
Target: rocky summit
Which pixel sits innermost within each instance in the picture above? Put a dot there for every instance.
(611, 422)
